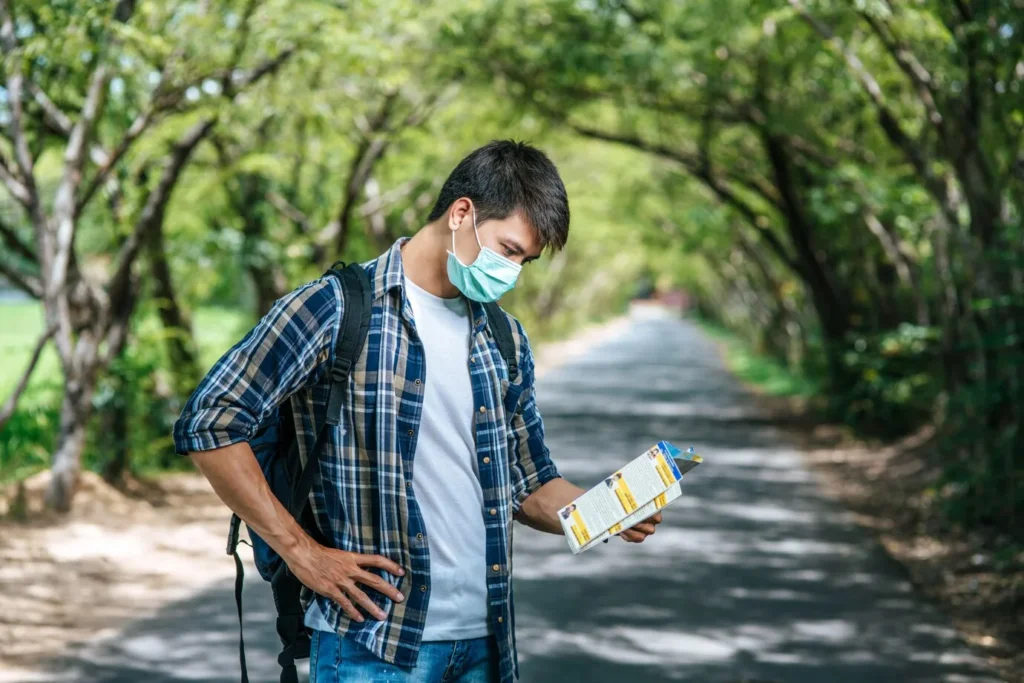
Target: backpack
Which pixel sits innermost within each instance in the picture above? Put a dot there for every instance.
(275, 448)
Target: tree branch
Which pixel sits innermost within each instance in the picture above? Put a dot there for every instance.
(153, 211)
(64, 206)
(385, 199)
(137, 128)
(693, 165)
(243, 40)
(370, 149)
(17, 189)
(289, 210)
(26, 283)
(15, 244)
(266, 68)
(15, 84)
(911, 148)
(910, 65)
(159, 105)
(53, 114)
(7, 410)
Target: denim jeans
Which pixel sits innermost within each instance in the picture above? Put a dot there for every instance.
(333, 659)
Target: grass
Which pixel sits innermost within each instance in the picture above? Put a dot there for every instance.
(763, 372)
(21, 323)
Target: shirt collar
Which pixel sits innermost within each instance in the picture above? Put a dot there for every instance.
(389, 274)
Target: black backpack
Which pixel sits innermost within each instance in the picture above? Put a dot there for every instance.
(275, 448)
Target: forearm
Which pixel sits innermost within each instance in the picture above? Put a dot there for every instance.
(237, 479)
(540, 509)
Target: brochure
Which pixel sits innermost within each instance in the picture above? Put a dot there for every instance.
(628, 496)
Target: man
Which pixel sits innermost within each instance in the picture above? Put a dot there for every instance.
(437, 451)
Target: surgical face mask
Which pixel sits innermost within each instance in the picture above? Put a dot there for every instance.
(488, 278)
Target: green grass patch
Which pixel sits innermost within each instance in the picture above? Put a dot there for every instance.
(27, 440)
(764, 372)
(21, 323)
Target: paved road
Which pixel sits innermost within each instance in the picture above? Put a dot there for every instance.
(753, 577)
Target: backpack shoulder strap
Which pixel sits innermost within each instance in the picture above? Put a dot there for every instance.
(356, 291)
(353, 328)
(501, 328)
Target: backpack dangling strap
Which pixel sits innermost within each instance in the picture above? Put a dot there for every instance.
(233, 541)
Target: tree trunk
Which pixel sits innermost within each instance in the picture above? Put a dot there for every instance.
(116, 430)
(66, 464)
(181, 345)
(115, 426)
(830, 302)
(267, 279)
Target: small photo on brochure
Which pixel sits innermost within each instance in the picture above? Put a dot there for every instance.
(625, 496)
(579, 529)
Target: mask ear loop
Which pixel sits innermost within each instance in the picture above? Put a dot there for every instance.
(476, 233)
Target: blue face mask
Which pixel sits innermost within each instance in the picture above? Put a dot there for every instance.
(488, 278)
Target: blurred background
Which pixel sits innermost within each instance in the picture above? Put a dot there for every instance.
(831, 190)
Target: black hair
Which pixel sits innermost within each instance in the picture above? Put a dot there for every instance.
(504, 177)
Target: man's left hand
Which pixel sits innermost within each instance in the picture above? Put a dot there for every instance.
(638, 533)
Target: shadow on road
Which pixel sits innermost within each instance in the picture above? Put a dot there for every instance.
(754, 576)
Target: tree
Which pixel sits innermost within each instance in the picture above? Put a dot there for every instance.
(112, 112)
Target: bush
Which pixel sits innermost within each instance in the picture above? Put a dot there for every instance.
(892, 381)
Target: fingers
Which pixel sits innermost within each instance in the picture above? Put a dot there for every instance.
(645, 528)
(632, 536)
(655, 518)
(346, 606)
(379, 584)
(363, 600)
(380, 562)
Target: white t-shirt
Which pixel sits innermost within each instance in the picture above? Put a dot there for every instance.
(446, 480)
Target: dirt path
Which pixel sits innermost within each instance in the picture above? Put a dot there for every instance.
(756, 574)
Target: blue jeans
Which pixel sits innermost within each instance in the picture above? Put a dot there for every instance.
(333, 659)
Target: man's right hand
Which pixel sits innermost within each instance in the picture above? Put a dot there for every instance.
(337, 574)
(236, 477)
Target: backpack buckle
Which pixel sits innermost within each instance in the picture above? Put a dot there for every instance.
(340, 369)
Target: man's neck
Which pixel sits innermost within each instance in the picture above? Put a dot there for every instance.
(425, 260)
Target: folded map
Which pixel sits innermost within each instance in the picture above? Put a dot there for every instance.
(627, 497)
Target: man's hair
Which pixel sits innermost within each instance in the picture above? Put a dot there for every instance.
(504, 177)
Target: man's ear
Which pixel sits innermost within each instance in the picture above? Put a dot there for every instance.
(459, 212)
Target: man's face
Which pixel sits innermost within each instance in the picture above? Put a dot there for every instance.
(512, 237)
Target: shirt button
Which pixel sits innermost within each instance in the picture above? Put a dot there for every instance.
(494, 512)
(486, 459)
(495, 567)
(483, 409)
(419, 537)
(501, 619)
(473, 359)
(417, 382)
(410, 432)
(408, 484)
(423, 588)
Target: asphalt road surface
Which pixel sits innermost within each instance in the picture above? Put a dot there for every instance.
(755, 576)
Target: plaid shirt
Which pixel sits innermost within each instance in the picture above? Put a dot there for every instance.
(364, 502)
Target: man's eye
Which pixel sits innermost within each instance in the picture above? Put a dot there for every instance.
(509, 252)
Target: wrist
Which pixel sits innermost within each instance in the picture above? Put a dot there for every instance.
(295, 548)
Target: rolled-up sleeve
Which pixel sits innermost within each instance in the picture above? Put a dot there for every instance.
(530, 461)
(288, 349)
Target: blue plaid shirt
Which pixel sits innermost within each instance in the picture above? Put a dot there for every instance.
(364, 502)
